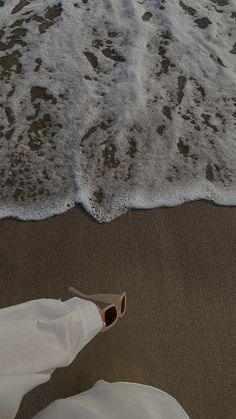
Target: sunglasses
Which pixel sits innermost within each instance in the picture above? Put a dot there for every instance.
(110, 314)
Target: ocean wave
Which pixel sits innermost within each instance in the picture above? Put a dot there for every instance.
(116, 104)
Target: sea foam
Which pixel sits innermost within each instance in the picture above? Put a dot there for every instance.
(116, 104)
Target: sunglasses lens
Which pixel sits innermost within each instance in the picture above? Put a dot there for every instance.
(123, 305)
(110, 316)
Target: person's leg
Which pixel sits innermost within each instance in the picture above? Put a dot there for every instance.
(37, 337)
(116, 401)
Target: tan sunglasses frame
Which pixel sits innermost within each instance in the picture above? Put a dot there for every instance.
(115, 299)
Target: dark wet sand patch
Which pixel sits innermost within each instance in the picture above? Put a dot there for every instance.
(203, 22)
(50, 18)
(233, 50)
(167, 112)
(220, 61)
(99, 196)
(209, 173)
(147, 16)
(39, 63)
(113, 34)
(38, 92)
(14, 39)
(103, 125)
(132, 148)
(206, 118)
(187, 9)
(113, 55)
(161, 129)
(183, 148)
(9, 115)
(181, 85)
(9, 63)
(92, 59)
(199, 87)
(20, 6)
(110, 160)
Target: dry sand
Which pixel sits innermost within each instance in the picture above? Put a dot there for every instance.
(178, 267)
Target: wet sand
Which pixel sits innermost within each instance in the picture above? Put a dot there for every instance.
(178, 267)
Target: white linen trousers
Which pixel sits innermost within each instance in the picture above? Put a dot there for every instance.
(39, 336)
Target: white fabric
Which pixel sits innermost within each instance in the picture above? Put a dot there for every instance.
(116, 401)
(38, 336)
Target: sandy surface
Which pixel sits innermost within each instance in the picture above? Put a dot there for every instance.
(178, 268)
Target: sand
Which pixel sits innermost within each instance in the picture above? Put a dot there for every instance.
(178, 268)
(116, 104)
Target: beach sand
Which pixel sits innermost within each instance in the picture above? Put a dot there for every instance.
(178, 267)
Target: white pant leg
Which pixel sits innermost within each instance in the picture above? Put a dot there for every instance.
(36, 337)
(116, 401)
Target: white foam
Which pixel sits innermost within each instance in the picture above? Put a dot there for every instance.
(141, 98)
